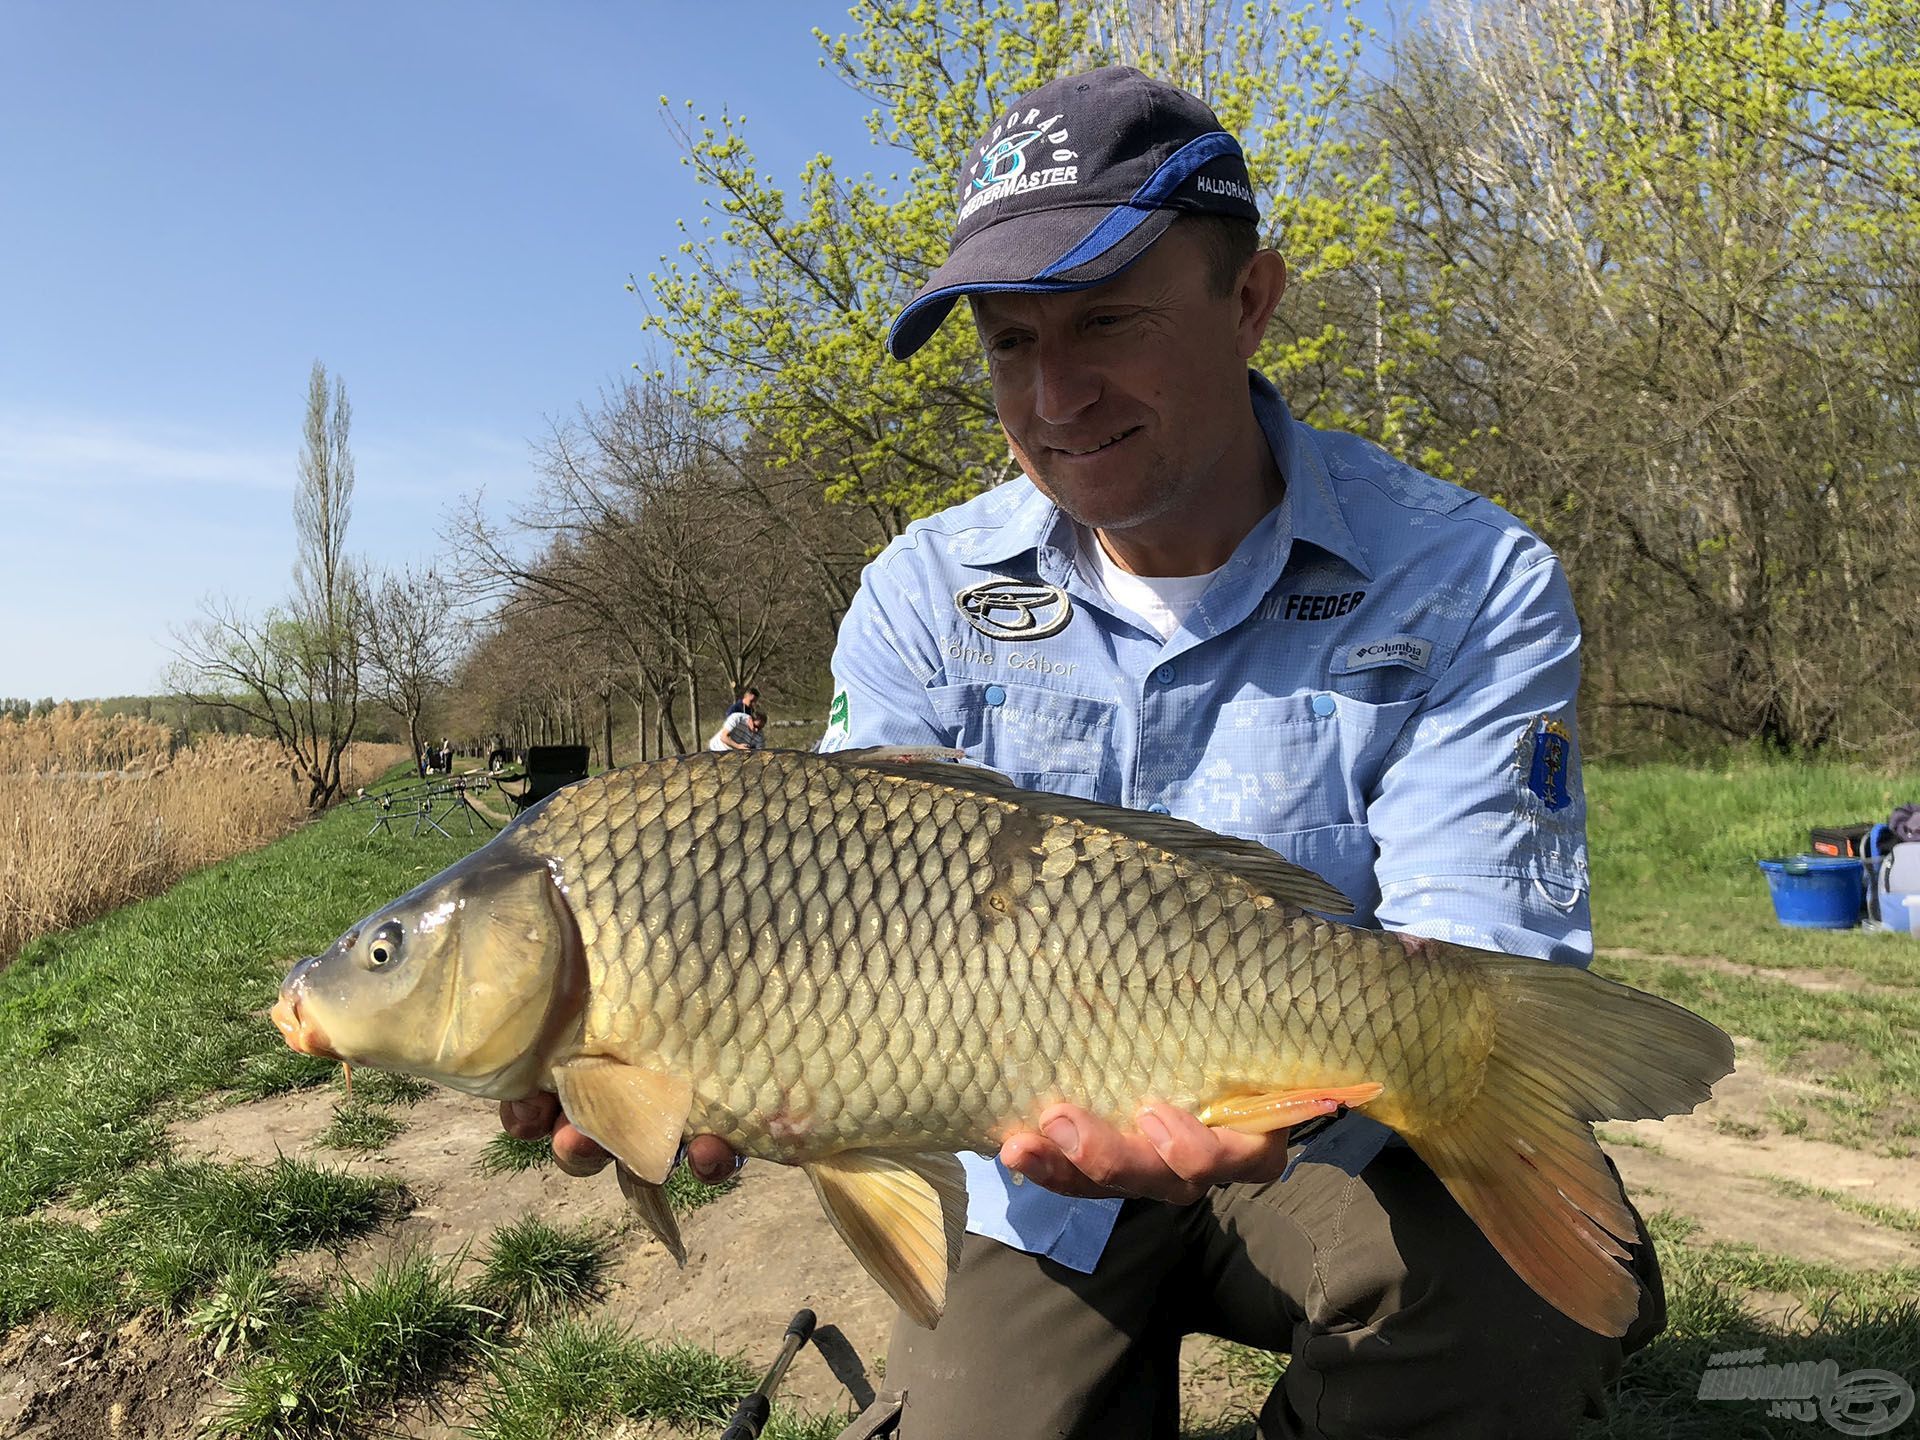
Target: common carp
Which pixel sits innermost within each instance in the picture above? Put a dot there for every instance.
(862, 962)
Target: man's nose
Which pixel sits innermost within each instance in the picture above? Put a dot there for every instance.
(1064, 385)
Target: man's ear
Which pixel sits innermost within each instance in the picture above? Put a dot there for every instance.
(1262, 284)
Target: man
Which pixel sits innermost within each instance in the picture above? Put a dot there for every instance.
(744, 698)
(1196, 605)
(739, 730)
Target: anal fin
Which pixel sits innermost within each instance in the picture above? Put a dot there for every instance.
(1261, 1114)
(638, 1114)
(903, 1216)
(649, 1202)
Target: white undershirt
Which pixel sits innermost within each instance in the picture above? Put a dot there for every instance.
(1163, 601)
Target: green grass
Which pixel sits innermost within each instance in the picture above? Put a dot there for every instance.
(1865, 1046)
(382, 1087)
(105, 1028)
(685, 1193)
(246, 1308)
(573, 1379)
(1894, 1217)
(171, 1231)
(371, 1342)
(535, 1271)
(359, 1125)
(1674, 846)
(1861, 1321)
(504, 1155)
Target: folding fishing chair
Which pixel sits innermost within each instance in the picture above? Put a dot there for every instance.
(548, 768)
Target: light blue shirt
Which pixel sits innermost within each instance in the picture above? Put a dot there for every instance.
(1379, 685)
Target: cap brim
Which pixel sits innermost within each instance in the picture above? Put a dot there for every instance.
(1071, 248)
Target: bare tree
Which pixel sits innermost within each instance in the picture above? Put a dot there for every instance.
(411, 644)
(295, 672)
(679, 558)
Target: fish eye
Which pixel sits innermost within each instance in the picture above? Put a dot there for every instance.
(384, 947)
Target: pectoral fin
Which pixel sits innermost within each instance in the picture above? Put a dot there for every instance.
(649, 1202)
(638, 1114)
(1259, 1114)
(902, 1216)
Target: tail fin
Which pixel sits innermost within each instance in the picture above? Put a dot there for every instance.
(1569, 1048)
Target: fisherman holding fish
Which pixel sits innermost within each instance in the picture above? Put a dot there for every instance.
(1196, 605)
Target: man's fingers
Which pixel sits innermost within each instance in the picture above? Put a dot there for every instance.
(1040, 1160)
(576, 1153)
(711, 1159)
(1207, 1156)
(529, 1119)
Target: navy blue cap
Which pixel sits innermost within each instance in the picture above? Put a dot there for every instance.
(1073, 183)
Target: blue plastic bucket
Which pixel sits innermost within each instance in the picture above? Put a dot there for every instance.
(1816, 892)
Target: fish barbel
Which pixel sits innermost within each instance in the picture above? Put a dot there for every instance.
(862, 962)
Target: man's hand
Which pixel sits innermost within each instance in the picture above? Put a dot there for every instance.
(1168, 1156)
(710, 1158)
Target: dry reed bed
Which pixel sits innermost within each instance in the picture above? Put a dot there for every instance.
(97, 811)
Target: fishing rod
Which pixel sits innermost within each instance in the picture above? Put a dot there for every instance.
(750, 1415)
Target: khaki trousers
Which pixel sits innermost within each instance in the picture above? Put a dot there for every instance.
(1400, 1319)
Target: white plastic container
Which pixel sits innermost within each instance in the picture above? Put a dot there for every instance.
(1913, 915)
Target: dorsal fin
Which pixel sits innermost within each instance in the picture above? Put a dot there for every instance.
(1252, 862)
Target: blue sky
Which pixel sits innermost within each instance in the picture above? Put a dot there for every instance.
(443, 202)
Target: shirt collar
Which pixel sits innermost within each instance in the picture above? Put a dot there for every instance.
(1312, 505)
(1034, 523)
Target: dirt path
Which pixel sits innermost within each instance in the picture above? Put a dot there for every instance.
(1816, 982)
(1715, 1167)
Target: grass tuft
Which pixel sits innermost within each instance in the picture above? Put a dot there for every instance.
(248, 1306)
(370, 1343)
(534, 1271)
(504, 1155)
(385, 1087)
(359, 1125)
(573, 1378)
(685, 1193)
(173, 1230)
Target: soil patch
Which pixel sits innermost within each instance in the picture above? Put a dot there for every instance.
(1818, 982)
(754, 1256)
(1715, 1164)
(148, 1378)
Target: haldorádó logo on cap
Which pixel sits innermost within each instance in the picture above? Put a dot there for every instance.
(1071, 185)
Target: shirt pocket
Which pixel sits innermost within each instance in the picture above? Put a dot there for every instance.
(1041, 739)
(1300, 762)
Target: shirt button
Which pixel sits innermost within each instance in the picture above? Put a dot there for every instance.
(995, 695)
(1164, 674)
(1323, 705)
(1158, 809)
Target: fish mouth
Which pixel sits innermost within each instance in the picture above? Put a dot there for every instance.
(300, 1030)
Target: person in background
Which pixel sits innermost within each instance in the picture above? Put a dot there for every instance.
(740, 730)
(745, 698)
(1196, 605)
